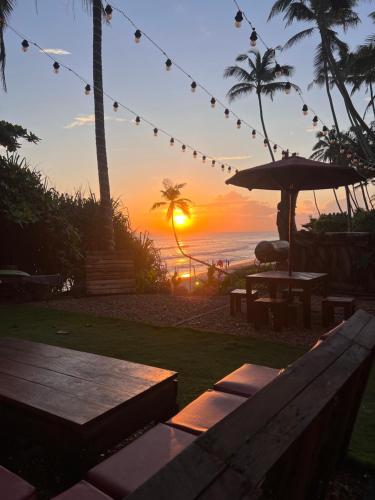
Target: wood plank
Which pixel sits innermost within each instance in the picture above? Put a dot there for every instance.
(74, 386)
(70, 409)
(88, 366)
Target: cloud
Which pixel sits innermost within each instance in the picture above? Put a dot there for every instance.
(232, 158)
(81, 120)
(56, 52)
(311, 130)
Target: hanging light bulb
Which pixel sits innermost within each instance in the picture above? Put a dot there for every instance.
(183, 147)
(56, 67)
(254, 134)
(265, 142)
(315, 121)
(275, 147)
(238, 123)
(213, 162)
(305, 109)
(171, 142)
(168, 64)
(325, 130)
(223, 167)
(349, 155)
(238, 19)
(253, 38)
(229, 169)
(25, 45)
(108, 12)
(213, 102)
(87, 89)
(204, 159)
(194, 154)
(137, 36)
(226, 113)
(278, 70)
(155, 132)
(288, 88)
(342, 150)
(137, 120)
(193, 86)
(236, 170)
(115, 106)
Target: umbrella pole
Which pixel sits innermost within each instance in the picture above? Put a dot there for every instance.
(290, 232)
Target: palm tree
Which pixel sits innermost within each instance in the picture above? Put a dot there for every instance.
(172, 194)
(325, 15)
(98, 14)
(6, 8)
(261, 79)
(101, 150)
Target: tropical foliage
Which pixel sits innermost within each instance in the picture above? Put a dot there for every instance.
(363, 221)
(45, 231)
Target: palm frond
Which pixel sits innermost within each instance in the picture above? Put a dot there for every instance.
(240, 90)
(158, 204)
(239, 73)
(278, 7)
(298, 37)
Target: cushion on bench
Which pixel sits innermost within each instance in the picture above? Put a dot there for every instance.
(205, 411)
(82, 491)
(246, 380)
(13, 487)
(127, 469)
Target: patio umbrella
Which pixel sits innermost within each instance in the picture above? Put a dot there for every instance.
(295, 174)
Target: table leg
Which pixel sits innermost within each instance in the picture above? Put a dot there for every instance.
(248, 300)
(307, 308)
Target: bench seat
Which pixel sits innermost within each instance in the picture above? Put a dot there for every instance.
(246, 380)
(82, 491)
(13, 487)
(127, 469)
(205, 411)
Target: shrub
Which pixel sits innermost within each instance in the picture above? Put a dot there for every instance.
(48, 232)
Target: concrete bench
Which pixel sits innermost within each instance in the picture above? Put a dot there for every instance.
(236, 296)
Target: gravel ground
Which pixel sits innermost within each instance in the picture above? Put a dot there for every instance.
(201, 313)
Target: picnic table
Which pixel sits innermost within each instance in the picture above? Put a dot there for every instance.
(77, 400)
(304, 280)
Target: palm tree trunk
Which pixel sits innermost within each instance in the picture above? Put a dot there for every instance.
(101, 152)
(334, 116)
(337, 201)
(358, 121)
(264, 126)
(372, 98)
(316, 204)
(190, 256)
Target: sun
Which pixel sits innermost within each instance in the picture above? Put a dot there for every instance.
(180, 219)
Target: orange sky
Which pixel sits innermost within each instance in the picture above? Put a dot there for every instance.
(234, 210)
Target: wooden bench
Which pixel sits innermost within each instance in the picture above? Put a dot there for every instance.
(329, 305)
(284, 442)
(260, 311)
(12, 487)
(236, 296)
(275, 434)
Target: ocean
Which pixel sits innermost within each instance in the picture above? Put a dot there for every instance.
(230, 248)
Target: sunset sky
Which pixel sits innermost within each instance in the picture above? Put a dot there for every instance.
(202, 38)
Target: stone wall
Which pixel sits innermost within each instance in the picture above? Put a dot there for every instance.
(348, 258)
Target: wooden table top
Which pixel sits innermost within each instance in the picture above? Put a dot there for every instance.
(71, 386)
(284, 275)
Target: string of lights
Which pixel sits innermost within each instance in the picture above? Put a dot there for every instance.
(354, 159)
(57, 65)
(194, 83)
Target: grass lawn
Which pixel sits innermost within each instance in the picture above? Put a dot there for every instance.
(201, 358)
